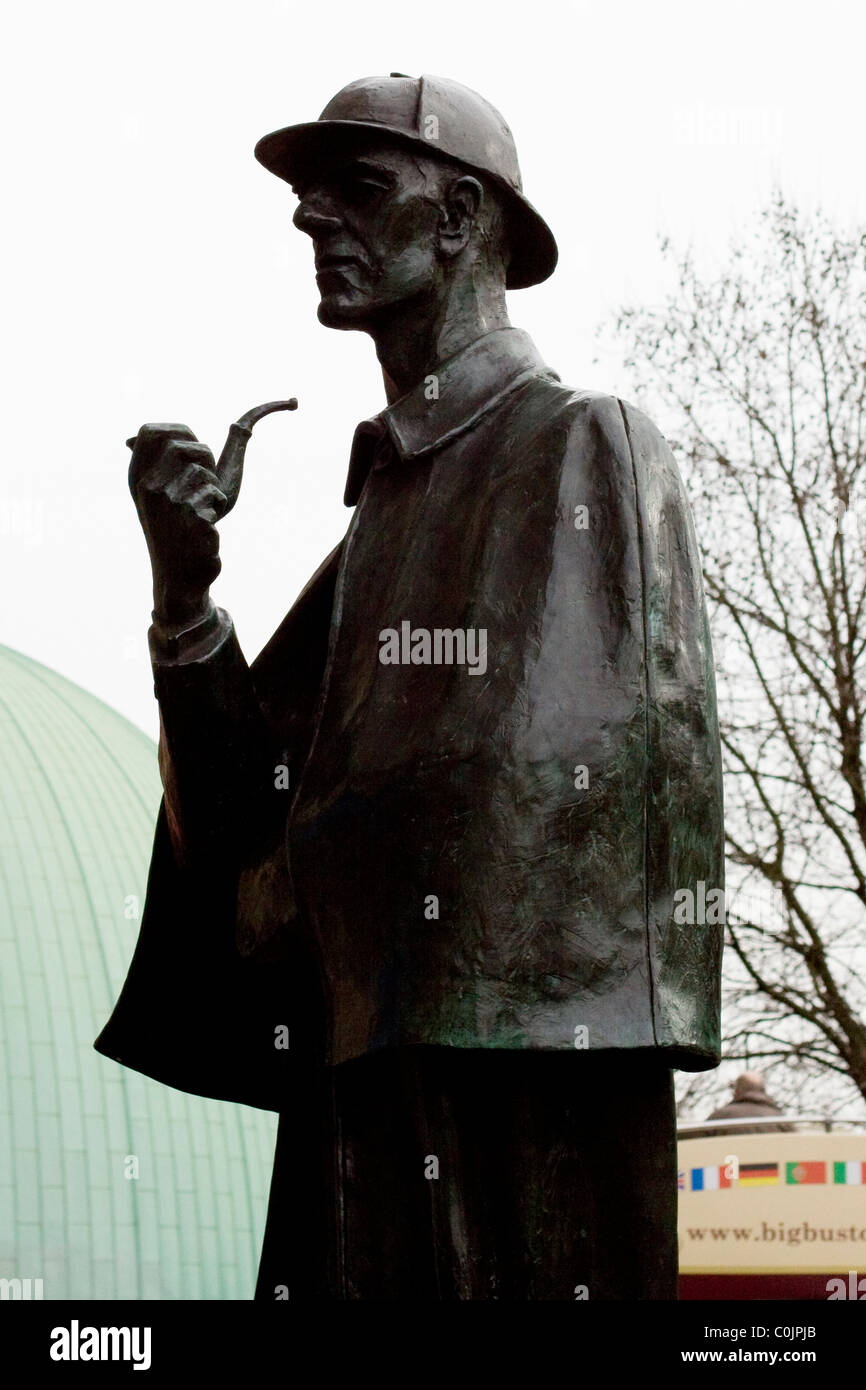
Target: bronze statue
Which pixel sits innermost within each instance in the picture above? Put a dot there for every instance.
(414, 875)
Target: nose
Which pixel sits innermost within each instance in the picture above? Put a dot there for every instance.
(316, 213)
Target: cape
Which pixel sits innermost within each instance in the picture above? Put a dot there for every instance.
(495, 703)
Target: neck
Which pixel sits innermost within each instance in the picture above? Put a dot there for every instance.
(421, 334)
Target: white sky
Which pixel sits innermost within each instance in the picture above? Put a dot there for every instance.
(152, 271)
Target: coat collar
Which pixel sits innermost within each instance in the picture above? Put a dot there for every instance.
(446, 403)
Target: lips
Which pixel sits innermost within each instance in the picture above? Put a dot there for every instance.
(335, 262)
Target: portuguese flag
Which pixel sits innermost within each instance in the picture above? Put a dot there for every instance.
(852, 1172)
(806, 1172)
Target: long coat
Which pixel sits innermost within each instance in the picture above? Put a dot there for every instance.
(494, 708)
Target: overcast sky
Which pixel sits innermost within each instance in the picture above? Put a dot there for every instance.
(152, 271)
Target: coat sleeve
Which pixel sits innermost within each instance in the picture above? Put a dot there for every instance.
(684, 816)
(199, 1009)
(193, 1013)
(216, 753)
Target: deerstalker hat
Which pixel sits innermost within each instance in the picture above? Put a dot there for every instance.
(447, 119)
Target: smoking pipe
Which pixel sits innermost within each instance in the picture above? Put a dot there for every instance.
(230, 464)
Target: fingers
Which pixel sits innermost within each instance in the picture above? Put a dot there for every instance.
(198, 488)
(209, 503)
(149, 445)
(177, 493)
(183, 485)
(182, 470)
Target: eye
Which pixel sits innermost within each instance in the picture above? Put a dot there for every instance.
(364, 185)
(361, 184)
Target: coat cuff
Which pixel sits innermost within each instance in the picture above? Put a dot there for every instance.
(179, 646)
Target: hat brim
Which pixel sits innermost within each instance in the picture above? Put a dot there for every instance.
(289, 152)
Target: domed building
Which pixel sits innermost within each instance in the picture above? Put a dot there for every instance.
(111, 1185)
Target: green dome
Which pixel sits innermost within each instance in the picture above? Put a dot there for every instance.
(79, 792)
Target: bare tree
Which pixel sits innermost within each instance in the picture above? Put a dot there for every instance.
(758, 374)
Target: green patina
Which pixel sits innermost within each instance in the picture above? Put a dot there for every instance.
(79, 791)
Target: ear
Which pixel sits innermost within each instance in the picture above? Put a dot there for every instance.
(461, 201)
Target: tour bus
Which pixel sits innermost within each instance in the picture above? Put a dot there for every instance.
(775, 1214)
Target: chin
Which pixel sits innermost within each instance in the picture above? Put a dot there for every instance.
(335, 312)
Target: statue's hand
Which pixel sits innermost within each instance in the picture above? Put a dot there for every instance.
(173, 481)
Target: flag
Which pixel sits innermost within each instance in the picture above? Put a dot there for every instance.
(681, 1181)
(852, 1172)
(759, 1174)
(709, 1179)
(805, 1172)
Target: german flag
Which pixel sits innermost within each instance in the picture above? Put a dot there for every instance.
(805, 1172)
(759, 1174)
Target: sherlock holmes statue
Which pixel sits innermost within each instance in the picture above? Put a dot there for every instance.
(422, 872)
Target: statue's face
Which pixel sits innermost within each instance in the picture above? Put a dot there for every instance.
(374, 215)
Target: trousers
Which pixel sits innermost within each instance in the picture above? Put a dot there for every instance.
(440, 1174)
